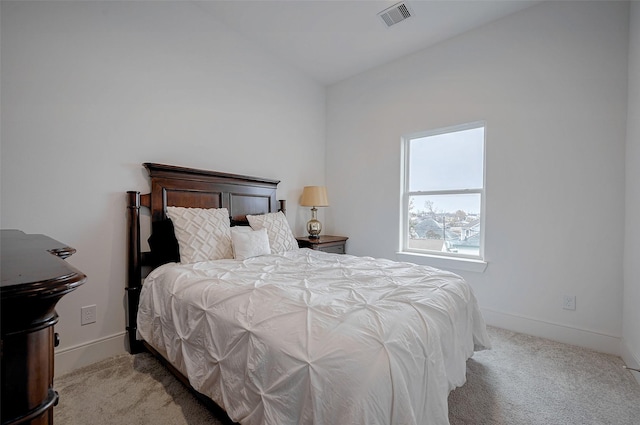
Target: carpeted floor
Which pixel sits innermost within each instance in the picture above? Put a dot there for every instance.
(527, 380)
(523, 380)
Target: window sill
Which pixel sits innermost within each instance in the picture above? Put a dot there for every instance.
(445, 263)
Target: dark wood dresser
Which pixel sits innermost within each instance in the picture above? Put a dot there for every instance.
(34, 277)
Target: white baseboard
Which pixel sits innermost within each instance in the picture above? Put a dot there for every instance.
(596, 341)
(630, 359)
(72, 358)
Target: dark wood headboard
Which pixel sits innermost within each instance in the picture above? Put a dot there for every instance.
(187, 187)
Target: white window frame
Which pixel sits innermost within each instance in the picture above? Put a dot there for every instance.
(436, 258)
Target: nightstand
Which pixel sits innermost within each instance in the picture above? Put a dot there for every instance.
(325, 243)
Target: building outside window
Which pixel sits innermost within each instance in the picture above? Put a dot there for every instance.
(443, 192)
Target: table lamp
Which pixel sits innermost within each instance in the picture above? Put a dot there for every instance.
(314, 196)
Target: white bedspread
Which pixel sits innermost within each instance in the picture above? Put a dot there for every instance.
(314, 338)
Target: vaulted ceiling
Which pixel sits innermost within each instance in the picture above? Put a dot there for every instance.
(331, 40)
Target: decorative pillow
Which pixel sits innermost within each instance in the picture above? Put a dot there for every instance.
(247, 244)
(280, 237)
(242, 228)
(203, 234)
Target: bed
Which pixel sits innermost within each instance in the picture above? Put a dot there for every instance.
(273, 334)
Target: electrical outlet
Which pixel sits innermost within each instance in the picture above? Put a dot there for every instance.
(569, 302)
(88, 315)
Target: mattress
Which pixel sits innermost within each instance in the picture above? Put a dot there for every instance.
(308, 337)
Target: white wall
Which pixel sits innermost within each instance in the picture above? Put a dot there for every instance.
(91, 90)
(551, 83)
(631, 320)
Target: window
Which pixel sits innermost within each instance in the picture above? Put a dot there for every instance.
(443, 192)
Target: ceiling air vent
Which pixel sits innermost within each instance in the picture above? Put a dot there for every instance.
(396, 13)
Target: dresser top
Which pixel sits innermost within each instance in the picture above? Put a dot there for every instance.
(34, 264)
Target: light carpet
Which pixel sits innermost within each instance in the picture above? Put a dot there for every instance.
(522, 380)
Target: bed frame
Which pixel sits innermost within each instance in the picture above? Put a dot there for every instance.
(187, 187)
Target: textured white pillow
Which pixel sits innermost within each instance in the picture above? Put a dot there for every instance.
(247, 244)
(280, 237)
(203, 234)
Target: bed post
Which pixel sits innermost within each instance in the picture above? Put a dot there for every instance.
(134, 269)
(283, 206)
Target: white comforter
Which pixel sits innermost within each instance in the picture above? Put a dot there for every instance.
(313, 338)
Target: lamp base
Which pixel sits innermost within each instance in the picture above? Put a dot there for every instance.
(314, 227)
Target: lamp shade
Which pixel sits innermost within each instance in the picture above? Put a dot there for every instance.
(314, 196)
